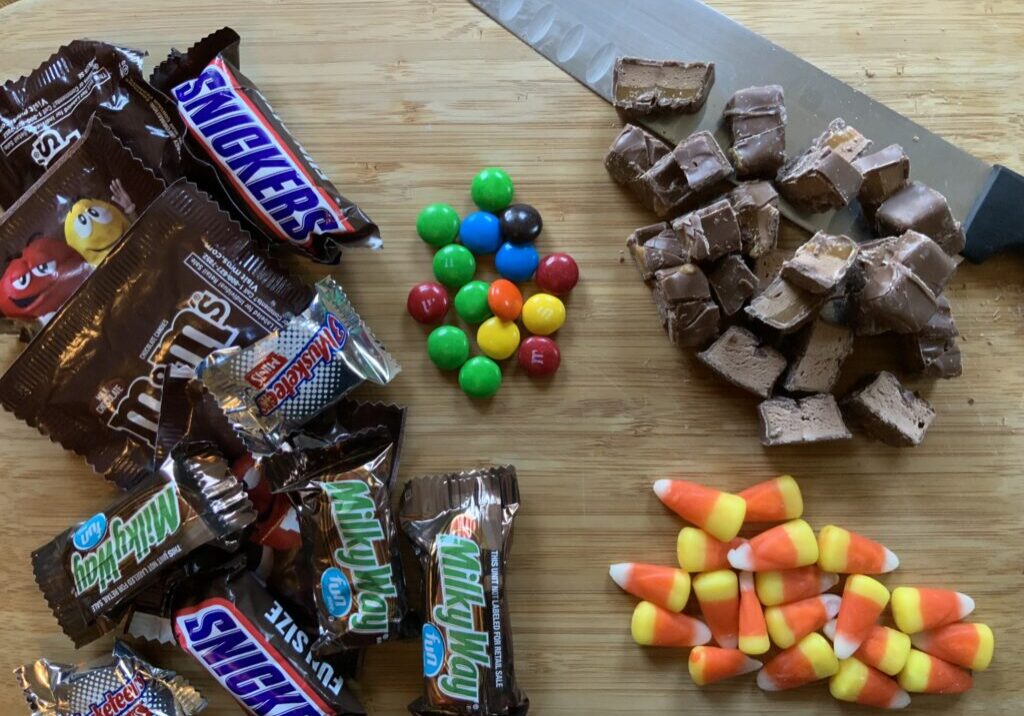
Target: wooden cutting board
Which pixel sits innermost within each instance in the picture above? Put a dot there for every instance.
(402, 102)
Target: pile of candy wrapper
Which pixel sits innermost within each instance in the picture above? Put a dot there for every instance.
(771, 589)
(170, 351)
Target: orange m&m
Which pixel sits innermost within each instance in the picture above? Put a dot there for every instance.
(505, 300)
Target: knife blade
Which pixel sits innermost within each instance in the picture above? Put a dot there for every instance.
(584, 37)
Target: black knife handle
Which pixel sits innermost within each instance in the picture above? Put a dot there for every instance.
(996, 223)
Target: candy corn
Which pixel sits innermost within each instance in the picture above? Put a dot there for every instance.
(753, 630)
(719, 597)
(784, 547)
(915, 609)
(792, 585)
(720, 514)
(709, 664)
(967, 645)
(884, 649)
(776, 500)
(697, 551)
(810, 660)
(924, 674)
(858, 683)
(667, 587)
(863, 601)
(790, 623)
(654, 626)
(849, 553)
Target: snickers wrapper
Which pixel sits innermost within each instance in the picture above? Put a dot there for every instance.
(122, 683)
(273, 387)
(460, 525)
(90, 572)
(343, 497)
(271, 179)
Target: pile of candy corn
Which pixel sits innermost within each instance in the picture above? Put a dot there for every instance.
(777, 594)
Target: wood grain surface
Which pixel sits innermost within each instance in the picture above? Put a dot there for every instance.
(402, 102)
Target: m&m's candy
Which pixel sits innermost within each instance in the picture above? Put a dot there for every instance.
(558, 274)
(438, 224)
(448, 347)
(481, 233)
(543, 314)
(516, 262)
(539, 356)
(428, 302)
(454, 265)
(480, 377)
(521, 224)
(492, 189)
(498, 339)
(505, 299)
(471, 302)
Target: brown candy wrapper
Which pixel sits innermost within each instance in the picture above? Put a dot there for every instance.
(91, 571)
(44, 112)
(271, 179)
(343, 494)
(184, 281)
(460, 525)
(53, 237)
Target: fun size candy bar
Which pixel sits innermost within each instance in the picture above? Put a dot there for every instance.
(271, 178)
(273, 387)
(121, 684)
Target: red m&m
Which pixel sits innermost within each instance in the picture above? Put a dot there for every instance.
(557, 274)
(539, 356)
(428, 302)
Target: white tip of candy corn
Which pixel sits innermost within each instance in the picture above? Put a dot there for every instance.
(900, 700)
(966, 604)
(662, 487)
(827, 580)
(844, 646)
(831, 602)
(765, 681)
(620, 573)
(701, 633)
(742, 557)
(891, 561)
(921, 640)
(830, 630)
(746, 581)
(749, 666)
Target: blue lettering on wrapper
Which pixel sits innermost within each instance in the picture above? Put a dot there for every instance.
(91, 532)
(336, 592)
(433, 650)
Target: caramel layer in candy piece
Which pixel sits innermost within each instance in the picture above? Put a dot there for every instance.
(889, 412)
(656, 247)
(785, 421)
(823, 177)
(683, 299)
(920, 208)
(934, 351)
(632, 154)
(822, 263)
(733, 283)
(757, 211)
(756, 117)
(885, 172)
(739, 357)
(816, 367)
(692, 173)
(783, 306)
(709, 233)
(641, 87)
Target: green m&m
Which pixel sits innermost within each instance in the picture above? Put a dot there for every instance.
(438, 224)
(454, 265)
(480, 377)
(448, 347)
(471, 302)
(492, 190)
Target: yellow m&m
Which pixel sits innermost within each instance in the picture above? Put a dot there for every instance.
(498, 339)
(543, 314)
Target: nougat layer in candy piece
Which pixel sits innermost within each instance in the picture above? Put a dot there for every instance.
(920, 208)
(783, 306)
(641, 87)
(885, 172)
(738, 357)
(785, 421)
(632, 154)
(733, 283)
(756, 117)
(886, 410)
(710, 232)
(656, 247)
(757, 211)
(822, 263)
(820, 358)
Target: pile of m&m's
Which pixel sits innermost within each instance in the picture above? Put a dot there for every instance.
(508, 231)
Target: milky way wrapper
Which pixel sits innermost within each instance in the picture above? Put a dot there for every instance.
(184, 281)
(343, 497)
(460, 525)
(269, 176)
(90, 572)
(122, 684)
(273, 387)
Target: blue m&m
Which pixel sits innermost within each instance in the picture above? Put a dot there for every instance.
(481, 232)
(516, 262)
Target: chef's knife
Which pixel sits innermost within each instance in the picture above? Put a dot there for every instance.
(584, 37)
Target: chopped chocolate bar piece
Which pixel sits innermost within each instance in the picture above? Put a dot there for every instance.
(683, 299)
(889, 296)
(783, 306)
(656, 247)
(823, 177)
(692, 173)
(632, 153)
(768, 266)
(757, 120)
(686, 283)
(641, 87)
(739, 357)
(884, 172)
(757, 211)
(816, 367)
(934, 351)
(889, 412)
(822, 263)
(709, 233)
(926, 259)
(814, 419)
(694, 324)
(702, 161)
(920, 208)
(733, 283)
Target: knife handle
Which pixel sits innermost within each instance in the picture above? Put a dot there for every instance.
(996, 223)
